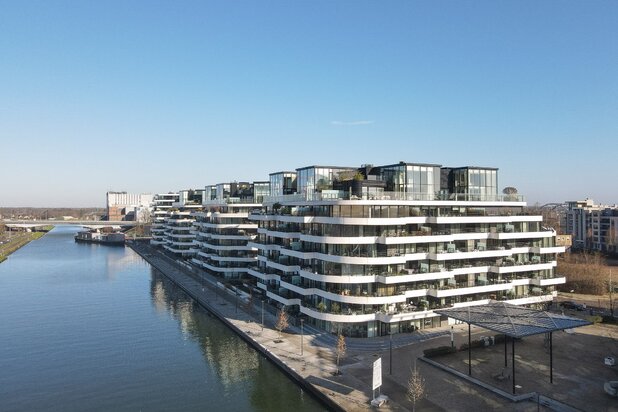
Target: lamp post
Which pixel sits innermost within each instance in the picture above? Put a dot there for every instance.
(262, 314)
(390, 363)
(302, 335)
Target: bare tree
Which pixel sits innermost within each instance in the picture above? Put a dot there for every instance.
(585, 273)
(340, 349)
(416, 387)
(282, 321)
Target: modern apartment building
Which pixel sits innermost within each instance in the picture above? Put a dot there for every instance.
(594, 227)
(179, 229)
(222, 228)
(161, 206)
(373, 250)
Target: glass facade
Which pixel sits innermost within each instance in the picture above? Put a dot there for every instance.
(282, 183)
(319, 178)
(412, 178)
(480, 183)
(260, 189)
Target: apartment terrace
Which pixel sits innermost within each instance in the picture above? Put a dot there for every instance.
(338, 195)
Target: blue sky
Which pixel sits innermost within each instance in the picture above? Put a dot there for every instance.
(159, 96)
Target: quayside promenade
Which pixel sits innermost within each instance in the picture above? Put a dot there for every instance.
(351, 391)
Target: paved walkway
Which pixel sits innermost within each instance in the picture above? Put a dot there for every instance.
(315, 362)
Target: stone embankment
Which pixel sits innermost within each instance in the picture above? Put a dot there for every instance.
(312, 369)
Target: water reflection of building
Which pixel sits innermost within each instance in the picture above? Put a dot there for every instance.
(228, 355)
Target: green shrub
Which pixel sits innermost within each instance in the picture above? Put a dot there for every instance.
(438, 351)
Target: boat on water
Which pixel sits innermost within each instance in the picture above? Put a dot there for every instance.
(95, 236)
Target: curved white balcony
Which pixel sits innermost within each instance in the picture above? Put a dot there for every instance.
(355, 260)
(262, 246)
(360, 279)
(403, 316)
(233, 259)
(178, 251)
(417, 277)
(279, 266)
(221, 269)
(239, 215)
(173, 242)
(181, 235)
(444, 293)
(229, 225)
(282, 300)
(469, 255)
(263, 276)
(334, 317)
(449, 220)
(521, 235)
(357, 300)
(401, 240)
(173, 220)
(353, 221)
(340, 240)
(207, 245)
(548, 282)
(232, 237)
(544, 250)
(282, 235)
(532, 299)
(523, 268)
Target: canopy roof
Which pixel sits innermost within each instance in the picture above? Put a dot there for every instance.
(512, 320)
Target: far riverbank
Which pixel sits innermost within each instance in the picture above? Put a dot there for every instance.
(11, 242)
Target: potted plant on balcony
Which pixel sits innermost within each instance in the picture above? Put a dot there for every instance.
(335, 307)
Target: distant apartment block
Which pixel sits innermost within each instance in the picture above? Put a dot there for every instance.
(179, 229)
(161, 207)
(223, 229)
(593, 227)
(127, 206)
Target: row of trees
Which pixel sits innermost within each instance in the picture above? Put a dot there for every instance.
(585, 273)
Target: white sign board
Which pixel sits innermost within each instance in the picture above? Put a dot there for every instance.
(377, 374)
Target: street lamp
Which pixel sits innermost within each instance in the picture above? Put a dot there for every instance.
(390, 367)
(262, 314)
(302, 335)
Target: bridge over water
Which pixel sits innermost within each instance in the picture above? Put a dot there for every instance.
(93, 224)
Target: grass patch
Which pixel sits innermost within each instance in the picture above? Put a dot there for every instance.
(17, 242)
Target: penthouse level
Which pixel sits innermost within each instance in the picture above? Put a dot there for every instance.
(358, 258)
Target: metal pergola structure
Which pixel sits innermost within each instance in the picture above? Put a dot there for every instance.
(513, 321)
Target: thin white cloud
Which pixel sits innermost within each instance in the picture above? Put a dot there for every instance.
(352, 123)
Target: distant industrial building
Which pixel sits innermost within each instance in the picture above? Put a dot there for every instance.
(127, 206)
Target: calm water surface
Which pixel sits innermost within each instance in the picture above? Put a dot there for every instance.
(95, 328)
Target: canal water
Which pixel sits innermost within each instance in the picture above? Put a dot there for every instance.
(94, 328)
